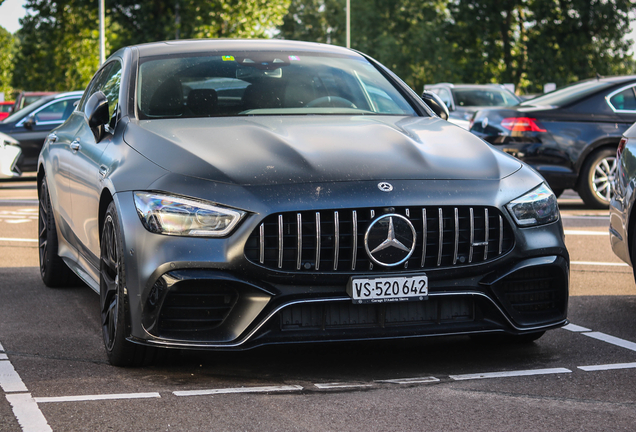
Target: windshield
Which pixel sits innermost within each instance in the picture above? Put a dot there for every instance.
(17, 116)
(484, 97)
(569, 94)
(262, 83)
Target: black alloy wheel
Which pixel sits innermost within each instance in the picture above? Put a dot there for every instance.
(115, 329)
(53, 270)
(597, 178)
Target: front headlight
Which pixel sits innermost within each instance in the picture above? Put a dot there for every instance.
(537, 207)
(164, 214)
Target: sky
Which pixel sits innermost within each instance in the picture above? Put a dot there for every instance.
(12, 10)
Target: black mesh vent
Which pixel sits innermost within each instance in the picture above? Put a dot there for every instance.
(333, 240)
(196, 306)
(533, 290)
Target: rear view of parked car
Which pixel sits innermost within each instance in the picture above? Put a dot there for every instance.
(570, 135)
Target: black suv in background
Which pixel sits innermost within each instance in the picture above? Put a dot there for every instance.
(569, 135)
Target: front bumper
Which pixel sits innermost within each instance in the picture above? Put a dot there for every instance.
(205, 293)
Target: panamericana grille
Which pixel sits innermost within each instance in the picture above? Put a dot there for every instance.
(333, 240)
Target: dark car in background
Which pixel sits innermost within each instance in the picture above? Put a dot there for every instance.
(225, 194)
(569, 135)
(31, 125)
(463, 100)
(622, 218)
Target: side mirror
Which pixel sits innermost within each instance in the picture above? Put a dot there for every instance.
(96, 111)
(436, 104)
(29, 122)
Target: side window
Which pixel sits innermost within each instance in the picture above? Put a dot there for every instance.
(624, 101)
(109, 82)
(111, 86)
(56, 112)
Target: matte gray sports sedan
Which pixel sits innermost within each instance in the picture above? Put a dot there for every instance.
(225, 194)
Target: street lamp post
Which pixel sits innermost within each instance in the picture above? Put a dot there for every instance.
(102, 44)
(348, 23)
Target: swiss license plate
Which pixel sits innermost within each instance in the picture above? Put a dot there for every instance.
(388, 288)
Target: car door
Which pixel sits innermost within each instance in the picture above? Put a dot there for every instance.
(33, 129)
(84, 171)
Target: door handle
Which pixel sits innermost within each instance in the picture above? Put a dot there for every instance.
(103, 171)
(52, 138)
(75, 145)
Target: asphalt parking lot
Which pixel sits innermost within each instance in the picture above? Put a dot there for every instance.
(54, 374)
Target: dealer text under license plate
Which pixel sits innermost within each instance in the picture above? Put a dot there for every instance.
(388, 288)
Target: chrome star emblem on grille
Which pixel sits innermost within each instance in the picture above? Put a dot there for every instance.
(390, 240)
(385, 186)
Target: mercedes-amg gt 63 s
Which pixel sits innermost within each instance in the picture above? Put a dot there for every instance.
(230, 194)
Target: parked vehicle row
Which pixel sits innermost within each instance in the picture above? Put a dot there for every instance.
(30, 127)
(464, 100)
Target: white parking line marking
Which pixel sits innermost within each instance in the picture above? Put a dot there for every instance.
(265, 389)
(591, 233)
(97, 397)
(612, 340)
(27, 413)
(3, 356)
(575, 328)
(10, 381)
(341, 385)
(510, 374)
(18, 239)
(420, 380)
(608, 367)
(592, 263)
(25, 201)
(584, 217)
(1, 348)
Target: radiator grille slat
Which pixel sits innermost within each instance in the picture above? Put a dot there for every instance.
(333, 241)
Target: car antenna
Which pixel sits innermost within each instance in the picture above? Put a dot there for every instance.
(598, 76)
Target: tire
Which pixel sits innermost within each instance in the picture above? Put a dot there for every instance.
(54, 271)
(113, 303)
(597, 178)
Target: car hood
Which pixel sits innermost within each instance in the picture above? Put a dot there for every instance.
(265, 150)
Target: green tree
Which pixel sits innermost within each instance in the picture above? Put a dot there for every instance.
(530, 42)
(59, 39)
(402, 34)
(7, 53)
(59, 48)
(163, 19)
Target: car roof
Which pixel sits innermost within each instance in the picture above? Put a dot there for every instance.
(68, 94)
(206, 45)
(451, 85)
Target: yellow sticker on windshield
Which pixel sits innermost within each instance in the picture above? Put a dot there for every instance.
(228, 58)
